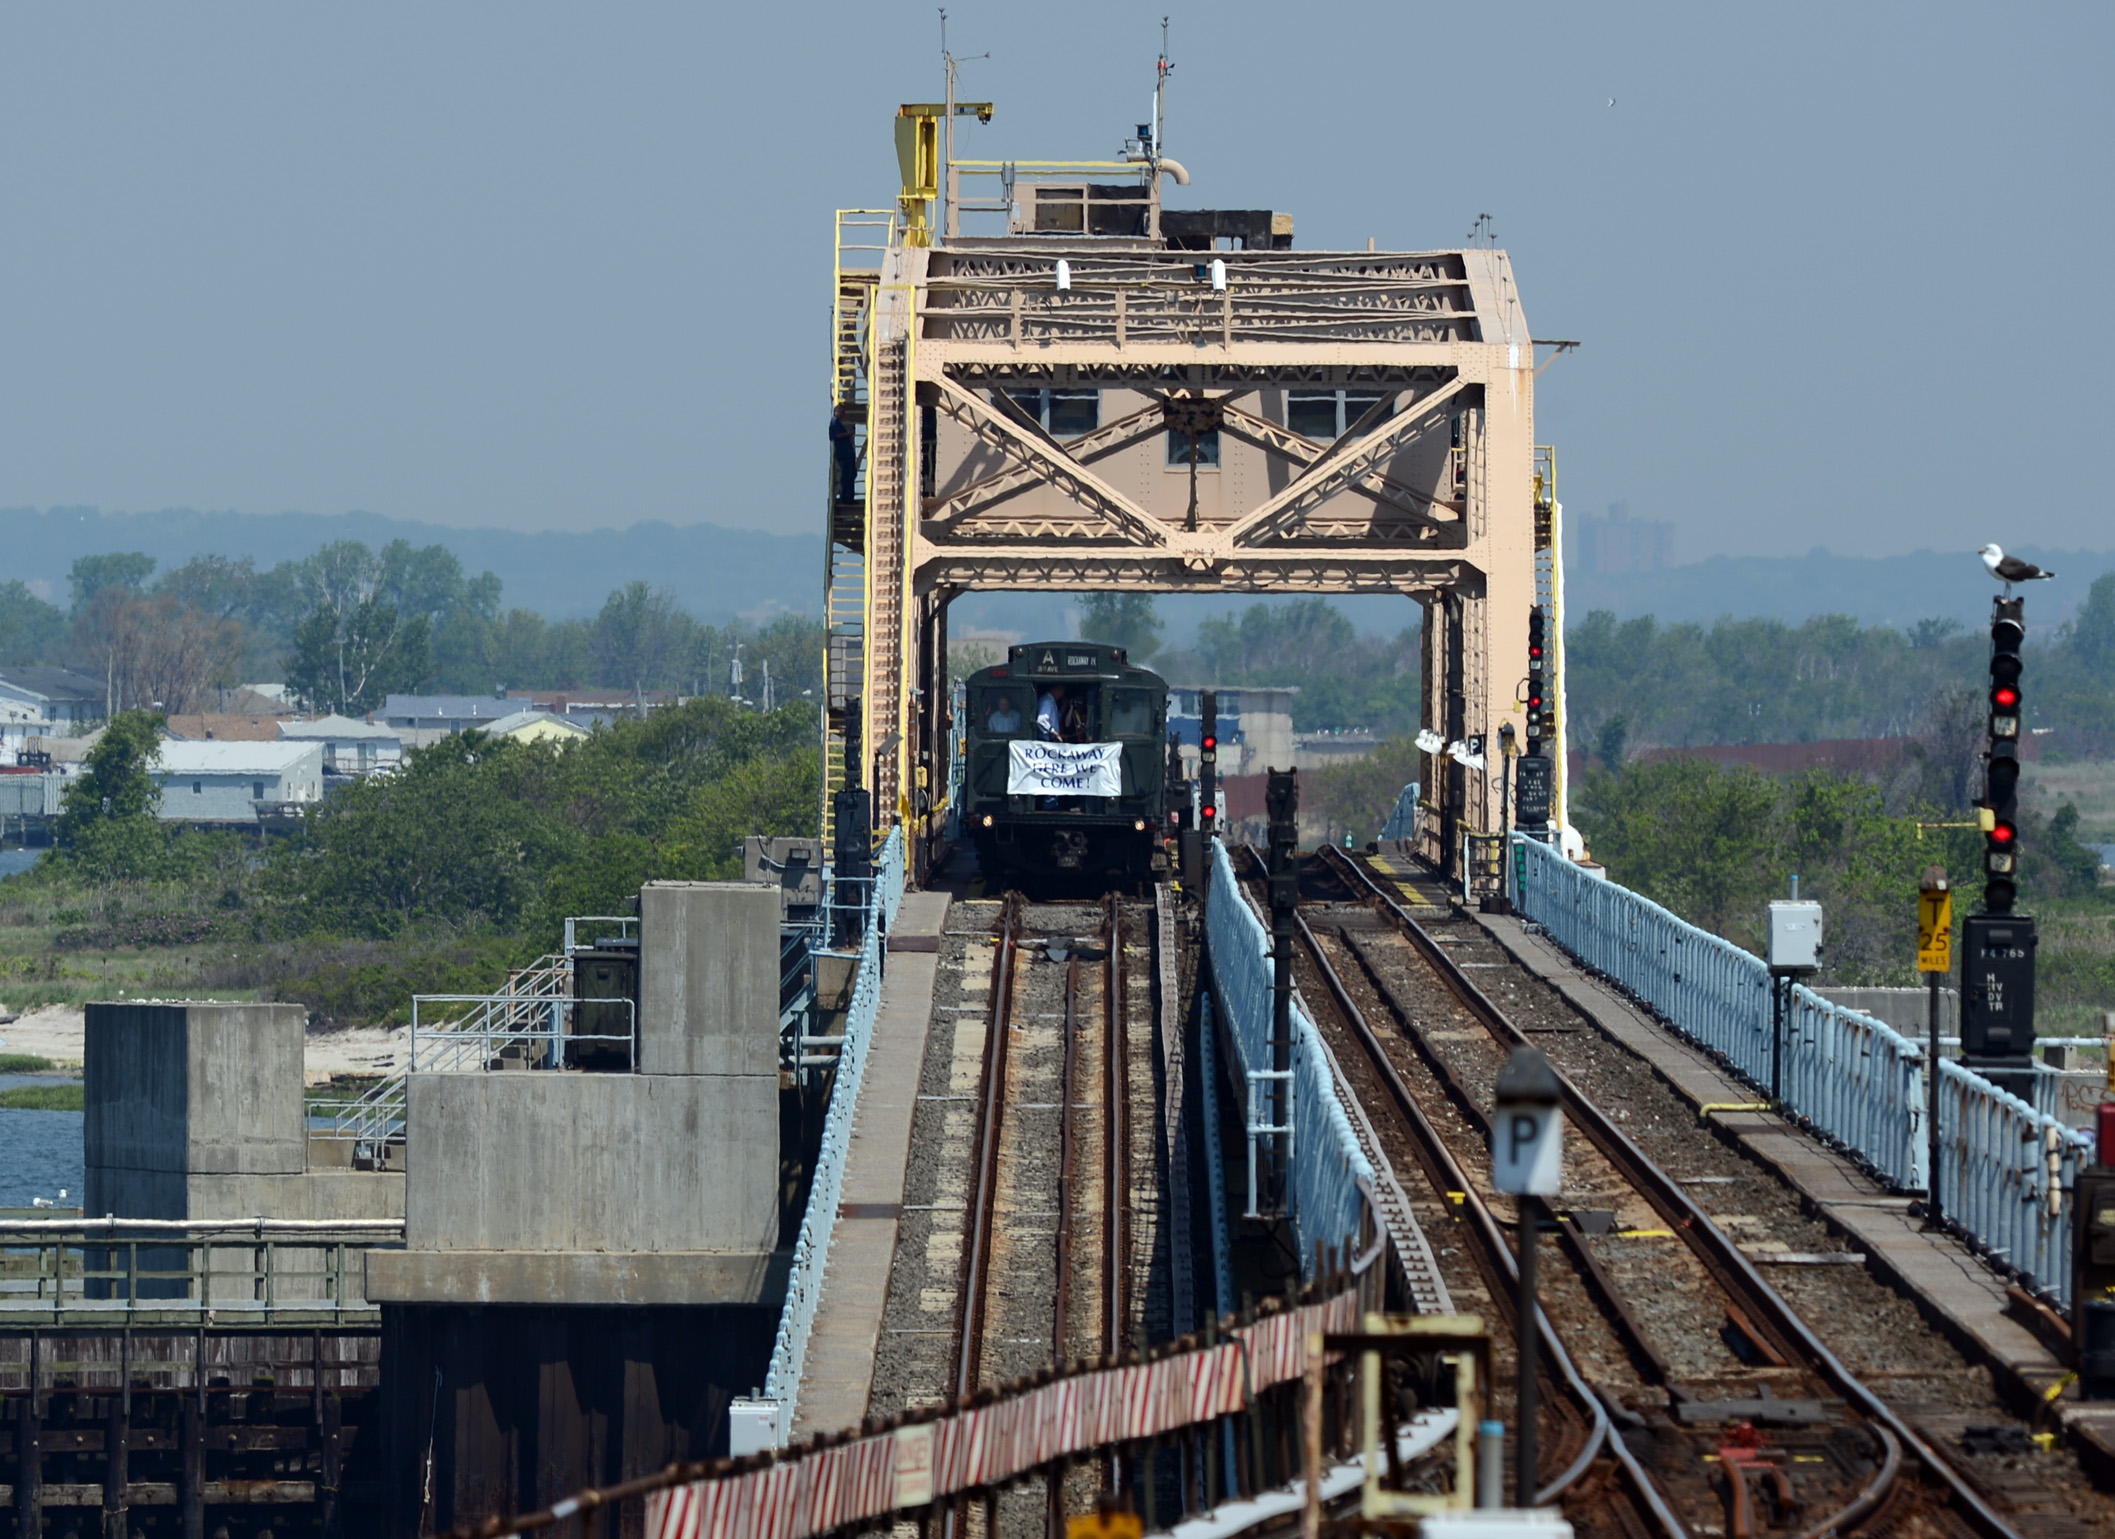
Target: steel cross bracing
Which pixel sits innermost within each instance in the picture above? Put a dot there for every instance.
(1422, 485)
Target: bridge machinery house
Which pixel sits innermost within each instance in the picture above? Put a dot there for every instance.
(237, 783)
(1102, 394)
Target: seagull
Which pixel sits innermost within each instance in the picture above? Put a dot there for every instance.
(2010, 569)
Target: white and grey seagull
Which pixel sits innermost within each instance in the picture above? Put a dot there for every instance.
(2010, 569)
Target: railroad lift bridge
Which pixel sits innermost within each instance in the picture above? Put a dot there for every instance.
(1110, 395)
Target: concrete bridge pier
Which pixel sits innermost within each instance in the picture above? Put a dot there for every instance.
(592, 1266)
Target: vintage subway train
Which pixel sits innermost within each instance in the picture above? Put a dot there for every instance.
(1064, 765)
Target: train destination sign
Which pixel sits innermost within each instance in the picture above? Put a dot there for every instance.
(1065, 769)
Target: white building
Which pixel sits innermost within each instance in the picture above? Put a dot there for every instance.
(349, 747)
(46, 702)
(236, 782)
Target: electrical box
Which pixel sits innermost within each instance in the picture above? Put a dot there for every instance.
(752, 1426)
(1795, 936)
(1997, 985)
(793, 865)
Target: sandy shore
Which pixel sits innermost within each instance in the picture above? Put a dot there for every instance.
(56, 1034)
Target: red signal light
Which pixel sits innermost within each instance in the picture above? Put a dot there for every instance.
(2002, 833)
(1534, 652)
(2005, 697)
(1210, 743)
(1211, 812)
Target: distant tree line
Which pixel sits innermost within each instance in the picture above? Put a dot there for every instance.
(1635, 684)
(349, 625)
(436, 878)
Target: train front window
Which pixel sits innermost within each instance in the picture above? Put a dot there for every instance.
(1000, 712)
(1132, 714)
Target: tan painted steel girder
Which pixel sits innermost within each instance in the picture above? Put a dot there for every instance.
(1344, 464)
(1350, 463)
(1379, 509)
(1038, 453)
(1071, 569)
(1296, 449)
(943, 513)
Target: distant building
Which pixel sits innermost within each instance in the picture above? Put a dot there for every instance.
(1616, 542)
(442, 713)
(47, 702)
(1255, 727)
(538, 727)
(350, 748)
(597, 704)
(1319, 750)
(223, 727)
(238, 783)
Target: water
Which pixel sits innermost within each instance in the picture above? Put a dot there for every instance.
(12, 861)
(40, 1151)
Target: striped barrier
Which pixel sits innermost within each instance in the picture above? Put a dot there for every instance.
(821, 1487)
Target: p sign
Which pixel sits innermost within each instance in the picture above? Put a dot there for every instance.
(1527, 1128)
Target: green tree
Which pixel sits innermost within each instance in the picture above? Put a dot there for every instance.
(30, 629)
(91, 575)
(2058, 864)
(214, 585)
(640, 639)
(348, 661)
(1614, 732)
(1704, 840)
(107, 820)
(1124, 620)
(2090, 634)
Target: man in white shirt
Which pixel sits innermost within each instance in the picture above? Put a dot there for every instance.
(1047, 713)
(1003, 717)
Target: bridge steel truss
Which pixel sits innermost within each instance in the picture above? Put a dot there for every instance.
(1428, 488)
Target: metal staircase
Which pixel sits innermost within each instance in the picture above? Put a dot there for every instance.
(528, 1015)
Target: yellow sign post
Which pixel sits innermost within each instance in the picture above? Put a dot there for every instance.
(1935, 930)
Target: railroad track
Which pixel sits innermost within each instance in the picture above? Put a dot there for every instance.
(1732, 1416)
(1064, 1192)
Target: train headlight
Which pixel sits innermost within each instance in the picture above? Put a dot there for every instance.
(1139, 824)
(987, 820)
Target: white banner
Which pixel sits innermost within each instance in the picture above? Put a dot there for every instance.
(1064, 769)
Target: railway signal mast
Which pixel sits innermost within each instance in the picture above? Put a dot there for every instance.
(1997, 945)
(1208, 764)
(1534, 773)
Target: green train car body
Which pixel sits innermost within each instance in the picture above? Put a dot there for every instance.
(1025, 798)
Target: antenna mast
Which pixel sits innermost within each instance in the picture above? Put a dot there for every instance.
(947, 157)
(1160, 88)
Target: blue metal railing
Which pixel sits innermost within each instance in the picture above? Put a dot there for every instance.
(1327, 1165)
(811, 1249)
(2004, 1167)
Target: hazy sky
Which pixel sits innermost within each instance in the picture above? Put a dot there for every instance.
(1841, 272)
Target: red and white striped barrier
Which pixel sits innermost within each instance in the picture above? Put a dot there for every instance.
(828, 1488)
